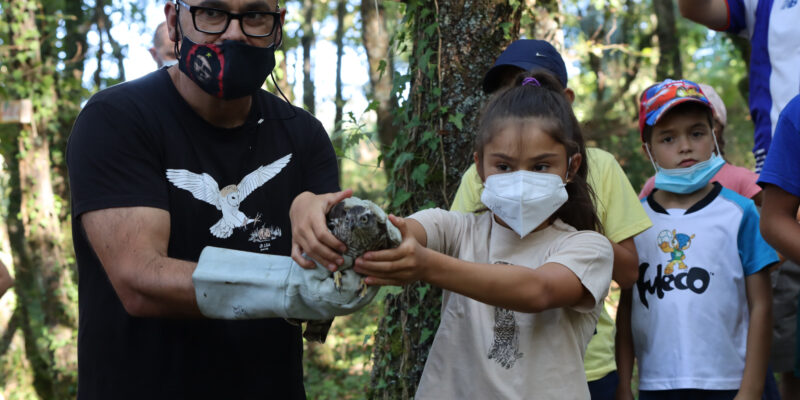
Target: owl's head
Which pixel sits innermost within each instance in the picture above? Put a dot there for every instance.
(362, 219)
(231, 195)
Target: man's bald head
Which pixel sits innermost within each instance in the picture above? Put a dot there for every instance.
(163, 48)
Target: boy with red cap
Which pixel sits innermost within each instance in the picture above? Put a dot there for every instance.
(700, 312)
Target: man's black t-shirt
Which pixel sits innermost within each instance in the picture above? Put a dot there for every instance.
(122, 145)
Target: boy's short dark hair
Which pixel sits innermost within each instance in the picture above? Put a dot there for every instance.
(688, 107)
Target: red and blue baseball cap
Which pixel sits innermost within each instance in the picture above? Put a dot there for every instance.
(661, 97)
(526, 54)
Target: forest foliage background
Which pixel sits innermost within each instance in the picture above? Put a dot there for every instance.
(405, 150)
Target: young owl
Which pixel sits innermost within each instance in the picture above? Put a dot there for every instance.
(362, 226)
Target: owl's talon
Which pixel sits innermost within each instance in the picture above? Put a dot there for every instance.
(337, 281)
(362, 291)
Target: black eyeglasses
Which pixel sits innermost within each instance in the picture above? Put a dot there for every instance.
(214, 21)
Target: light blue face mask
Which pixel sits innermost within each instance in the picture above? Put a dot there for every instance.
(689, 179)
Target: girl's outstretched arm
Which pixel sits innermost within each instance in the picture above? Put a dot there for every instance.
(759, 334)
(513, 287)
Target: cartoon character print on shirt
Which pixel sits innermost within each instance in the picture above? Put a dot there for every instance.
(675, 244)
(205, 188)
(505, 346)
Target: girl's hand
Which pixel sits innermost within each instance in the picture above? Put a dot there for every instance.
(397, 266)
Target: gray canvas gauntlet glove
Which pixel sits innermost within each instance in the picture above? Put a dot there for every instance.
(233, 284)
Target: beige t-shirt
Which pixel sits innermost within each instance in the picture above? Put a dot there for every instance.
(485, 352)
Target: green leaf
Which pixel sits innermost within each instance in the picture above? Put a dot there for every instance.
(456, 120)
(422, 291)
(420, 174)
(428, 204)
(413, 311)
(401, 197)
(382, 68)
(372, 106)
(426, 333)
(430, 29)
(402, 159)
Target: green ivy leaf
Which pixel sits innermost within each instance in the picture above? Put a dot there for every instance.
(403, 158)
(401, 197)
(413, 311)
(457, 120)
(420, 174)
(426, 333)
(428, 204)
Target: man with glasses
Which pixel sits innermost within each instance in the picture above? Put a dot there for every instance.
(188, 159)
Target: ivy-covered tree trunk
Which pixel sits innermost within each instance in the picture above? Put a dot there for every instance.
(45, 288)
(454, 43)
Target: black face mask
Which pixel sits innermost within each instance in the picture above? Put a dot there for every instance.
(227, 71)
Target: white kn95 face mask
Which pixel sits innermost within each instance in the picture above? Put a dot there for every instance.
(524, 199)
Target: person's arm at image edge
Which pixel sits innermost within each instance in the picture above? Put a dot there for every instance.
(6, 281)
(131, 243)
(626, 263)
(711, 13)
(759, 334)
(517, 288)
(623, 346)
(778, 221)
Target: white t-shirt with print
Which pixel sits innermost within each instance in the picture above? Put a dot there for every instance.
(689, 310)
(486, 352)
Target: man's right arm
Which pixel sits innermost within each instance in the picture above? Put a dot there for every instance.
(711, 13)
(131, 244)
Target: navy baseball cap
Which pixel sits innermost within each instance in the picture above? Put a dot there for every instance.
(526, 54)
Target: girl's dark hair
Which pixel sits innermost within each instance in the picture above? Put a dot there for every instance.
(548, 102)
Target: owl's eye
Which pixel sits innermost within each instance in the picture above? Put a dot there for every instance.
(364, 219)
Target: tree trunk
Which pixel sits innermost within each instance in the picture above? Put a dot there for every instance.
(69, 88)
(308, 40)
(341, 13)
(44, 283)
(669, 62)
(454, 43)
(381, 67)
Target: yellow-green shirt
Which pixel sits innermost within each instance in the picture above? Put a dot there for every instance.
(622, 217)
